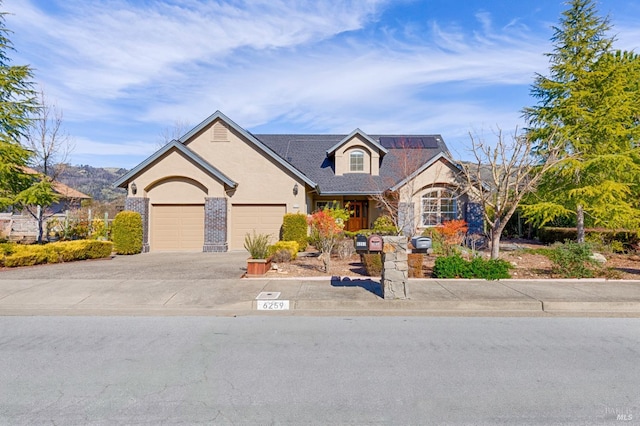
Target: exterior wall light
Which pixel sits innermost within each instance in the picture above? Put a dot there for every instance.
(134, 188)
(295, 189)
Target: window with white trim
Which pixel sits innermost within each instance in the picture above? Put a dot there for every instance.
(356, 161)
(439, 205)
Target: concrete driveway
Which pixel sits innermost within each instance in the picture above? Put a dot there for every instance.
(147, 266)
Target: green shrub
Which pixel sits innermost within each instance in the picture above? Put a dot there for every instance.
(573, 260)
(384, 225)
(372, 264)
(7, 248)
(281, 256)
(352, 234)
(451, 267)
(98, 249)
(99, 229)
(455, 266)
(64, 251)
(617, 241)
(294, 228)
(490, 269)
(126, 233)
(290, 246)
(257, 245)
(550, 235)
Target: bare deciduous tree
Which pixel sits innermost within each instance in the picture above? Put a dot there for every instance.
(395, 194)
(173, 132)
(50, 146)
(501, 175)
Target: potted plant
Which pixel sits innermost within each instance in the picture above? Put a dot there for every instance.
(258, 247)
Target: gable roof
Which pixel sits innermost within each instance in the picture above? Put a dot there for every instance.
(60, 188)
(382, 150)
(429, 163)
(251, 138)
(310, 157)
(174, 144)
(308, 153)
(68, 192)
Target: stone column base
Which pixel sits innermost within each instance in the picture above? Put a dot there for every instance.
(395, 268)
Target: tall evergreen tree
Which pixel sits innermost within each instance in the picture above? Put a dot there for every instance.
(17, 103)
(589, 102)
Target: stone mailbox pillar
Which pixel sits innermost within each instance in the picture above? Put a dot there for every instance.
(395, 269)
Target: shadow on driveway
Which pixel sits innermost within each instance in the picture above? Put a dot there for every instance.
(367, 284)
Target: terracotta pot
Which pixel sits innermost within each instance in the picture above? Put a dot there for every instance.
(258, 266)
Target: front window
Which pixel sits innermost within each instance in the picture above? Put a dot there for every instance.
(356, 161)
(321, 205)
(438, 206)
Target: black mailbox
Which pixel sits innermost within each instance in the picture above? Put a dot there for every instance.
(361, 243)
(375, 243)
(421, 243)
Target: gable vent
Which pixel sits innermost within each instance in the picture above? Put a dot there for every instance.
(220, 132)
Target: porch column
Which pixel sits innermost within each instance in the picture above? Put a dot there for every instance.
(215, 225)
(140, 205)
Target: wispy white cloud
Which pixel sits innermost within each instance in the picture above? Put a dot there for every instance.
(321, 66)
(120, 44)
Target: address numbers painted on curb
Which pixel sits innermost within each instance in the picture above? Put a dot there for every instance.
(273, 305)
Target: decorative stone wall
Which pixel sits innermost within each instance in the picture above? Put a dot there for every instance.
(140, 205)
(215, 225)
(395, 268)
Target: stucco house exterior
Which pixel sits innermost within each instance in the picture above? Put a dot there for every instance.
(206, 190)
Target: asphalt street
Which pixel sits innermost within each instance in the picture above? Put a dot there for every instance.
(306, 370)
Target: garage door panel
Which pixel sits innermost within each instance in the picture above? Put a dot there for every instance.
(263, 218)
(177, 227)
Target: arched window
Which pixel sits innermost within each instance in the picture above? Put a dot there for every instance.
(356, 161)
(439, 205)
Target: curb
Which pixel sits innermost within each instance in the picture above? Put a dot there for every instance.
(586, 307)
(351, 308)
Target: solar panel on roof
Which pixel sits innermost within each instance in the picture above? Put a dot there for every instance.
(409, 142)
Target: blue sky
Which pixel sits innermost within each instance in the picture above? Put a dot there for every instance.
(125, 72)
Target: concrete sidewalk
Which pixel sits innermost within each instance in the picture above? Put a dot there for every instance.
(336, 296)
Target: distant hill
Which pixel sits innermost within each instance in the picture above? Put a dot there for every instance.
(94, 181)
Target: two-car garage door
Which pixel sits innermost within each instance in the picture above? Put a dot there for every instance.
(180, 227)
(263, 218)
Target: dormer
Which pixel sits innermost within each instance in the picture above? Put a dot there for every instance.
(357, 153)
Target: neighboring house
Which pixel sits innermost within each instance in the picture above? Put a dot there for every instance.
(218, 182)
(69, 198)
(22, 226)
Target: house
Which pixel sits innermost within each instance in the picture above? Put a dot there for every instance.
(68, 198)
(216, 183)
(22, 226)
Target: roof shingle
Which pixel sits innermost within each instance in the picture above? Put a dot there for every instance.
(307, 153)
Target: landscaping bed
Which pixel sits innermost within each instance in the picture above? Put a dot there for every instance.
(527, 265)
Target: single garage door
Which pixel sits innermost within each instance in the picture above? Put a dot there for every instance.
(264, 218)
(177, 227)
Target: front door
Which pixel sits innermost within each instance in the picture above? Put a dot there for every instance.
(358, 216)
